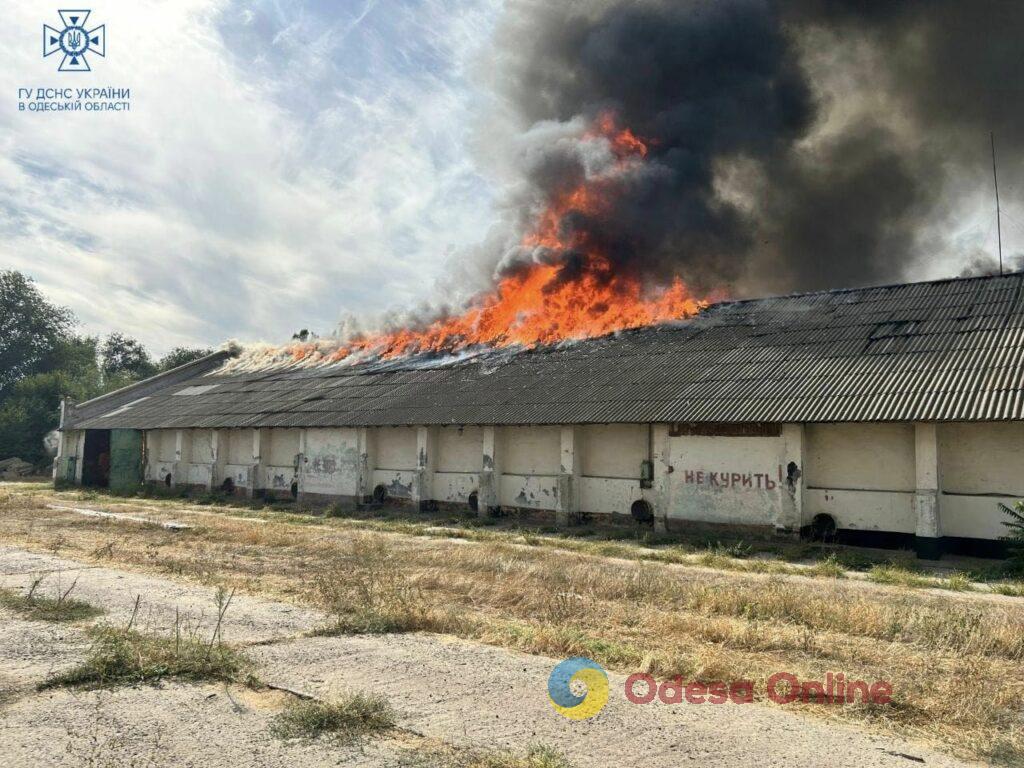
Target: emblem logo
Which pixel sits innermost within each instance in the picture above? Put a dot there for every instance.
(589, 676)
(74, 41)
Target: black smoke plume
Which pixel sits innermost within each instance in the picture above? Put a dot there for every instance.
(792, 145)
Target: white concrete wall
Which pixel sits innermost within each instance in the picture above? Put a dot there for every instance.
(531, 450)
(330, 464)
(459, 449)
(974, 517)
(395, 460)
(982, 458)
(980, 465)
(163, 444)
(235, 446)
(863, 475)
(70, 439)
(279, 450)
(280, 447)
(608, 495)
(728, 480)
(68, 467)
(161, 454)
(457, 463)
(197, 460)
(874, 457)
(185, 456)
(530, 463)
(199, 474)
(235, 459)
(528, 491)
(396, 448)
(397, 482)
(202, 446)
(863, 510)
(613, 450)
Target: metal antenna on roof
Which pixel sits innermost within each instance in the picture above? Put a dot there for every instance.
(995, 180)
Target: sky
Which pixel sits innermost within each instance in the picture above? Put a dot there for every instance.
(285, 164)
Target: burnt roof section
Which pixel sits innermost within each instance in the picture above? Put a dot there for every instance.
(943, 350)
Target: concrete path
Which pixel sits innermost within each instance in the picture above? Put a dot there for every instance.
(461, 692)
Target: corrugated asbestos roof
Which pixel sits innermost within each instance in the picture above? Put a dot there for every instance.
(946, 350)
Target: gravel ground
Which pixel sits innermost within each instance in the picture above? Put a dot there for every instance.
(443, 688)
(471, 694)
(162, 602)
(31, 651)
(205, 726)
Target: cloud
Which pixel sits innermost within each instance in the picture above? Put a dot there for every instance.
(282, 164)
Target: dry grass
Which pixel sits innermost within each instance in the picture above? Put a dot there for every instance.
(346, 719)
(954, 660)
(62, 607)
(364, 590)
(123, 656)
(536, 756)
(1010, 589)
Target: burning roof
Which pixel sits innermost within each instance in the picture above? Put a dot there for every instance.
(562, 285)
(945, 350)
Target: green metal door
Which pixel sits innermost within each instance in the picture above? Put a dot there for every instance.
(125, 459)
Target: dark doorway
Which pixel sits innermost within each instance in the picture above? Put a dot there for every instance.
(96, 462)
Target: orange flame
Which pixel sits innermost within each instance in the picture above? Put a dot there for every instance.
(537, 304)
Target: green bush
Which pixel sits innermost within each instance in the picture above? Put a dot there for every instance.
(1015, 538)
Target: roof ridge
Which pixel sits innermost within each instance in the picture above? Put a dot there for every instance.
(839, 291)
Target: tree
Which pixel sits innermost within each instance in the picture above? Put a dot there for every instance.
(124, 359)
(43, 360)
(30, 409)
(31, 328)
(180, 356)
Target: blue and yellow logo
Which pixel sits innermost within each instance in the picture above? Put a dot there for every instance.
(589, 673)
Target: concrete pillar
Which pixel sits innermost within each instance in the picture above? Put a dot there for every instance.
(365, 456)
(423, 485)
(147, 471)
(256, 463)
(177, 475)
(567, 505)
(80, 457)
(64, 465)
(221, 450)
(928, 494)
(300, 463)
(216, 470)
(790, 517)
(488, 497)
(661, 455)
(59, 465)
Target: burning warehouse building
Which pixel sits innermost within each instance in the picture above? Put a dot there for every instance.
(890, 412)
